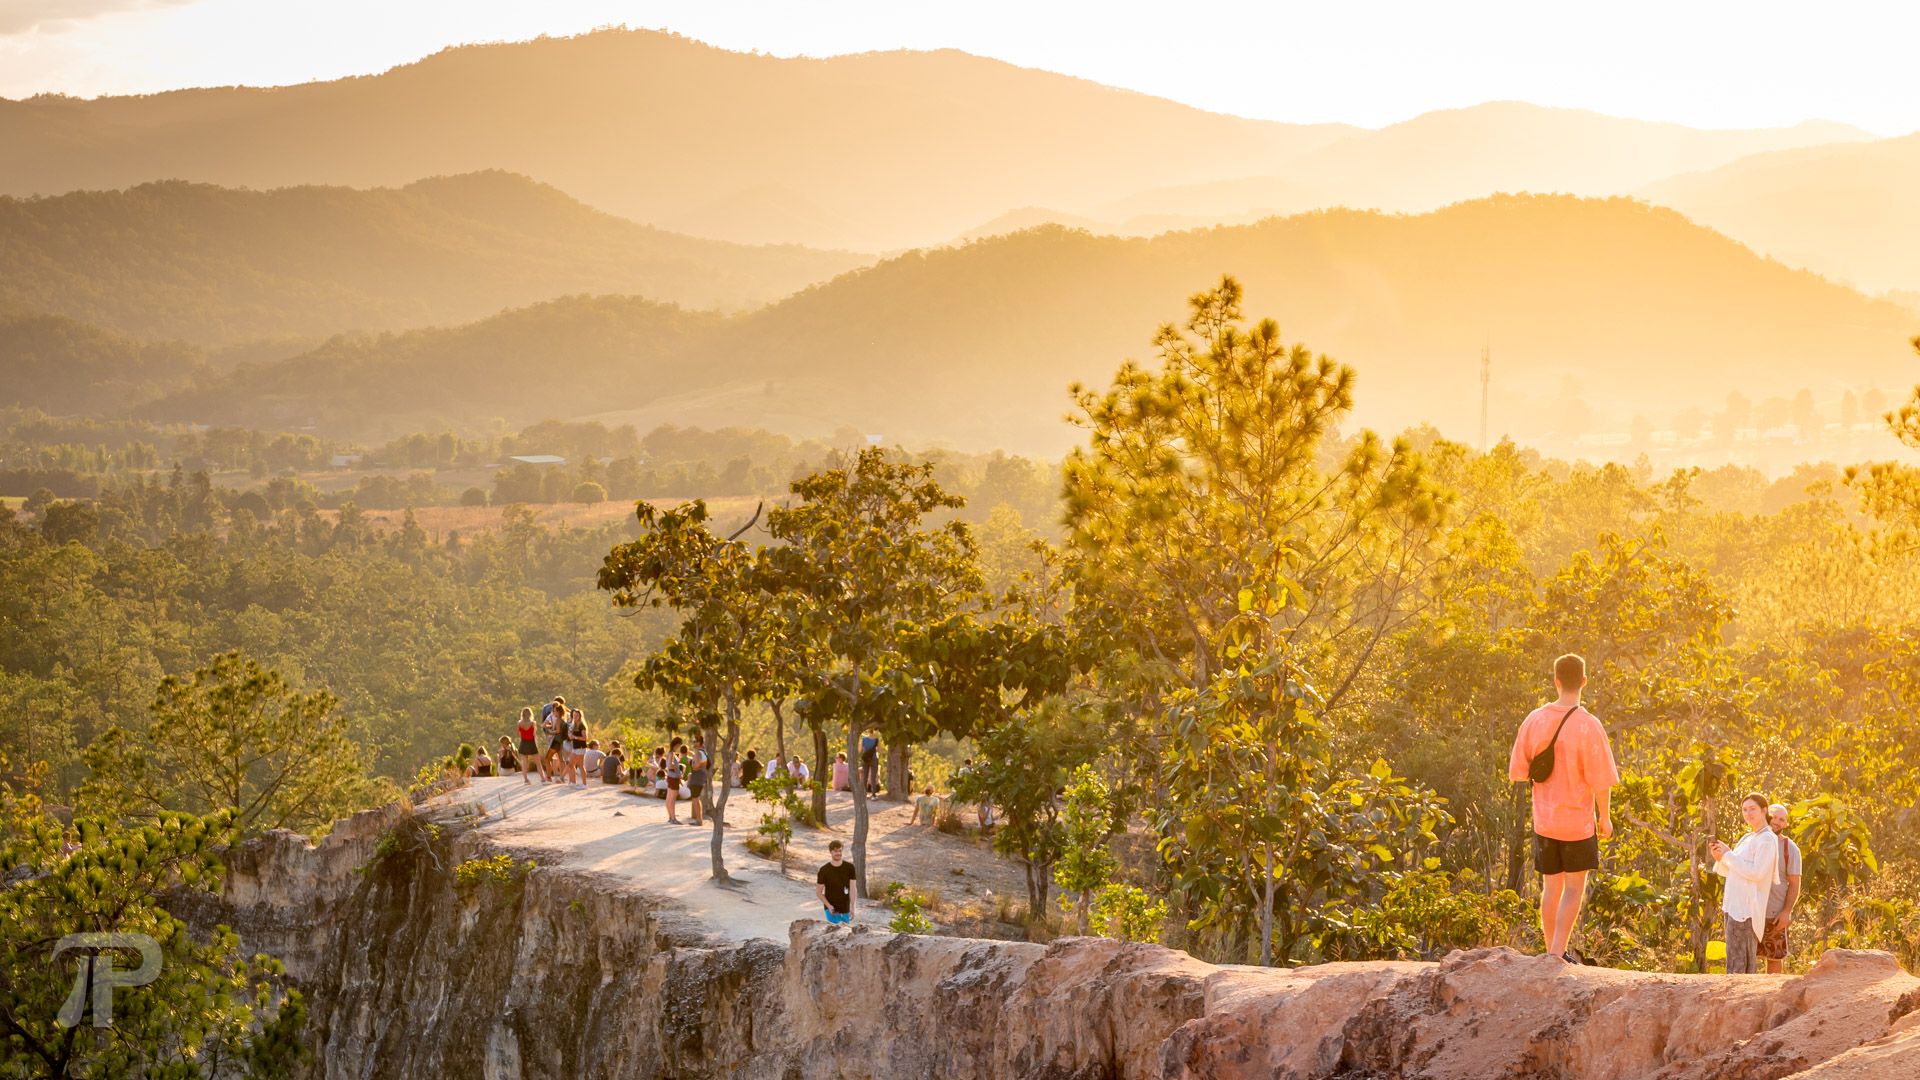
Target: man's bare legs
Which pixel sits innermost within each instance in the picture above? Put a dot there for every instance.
(1560, 899)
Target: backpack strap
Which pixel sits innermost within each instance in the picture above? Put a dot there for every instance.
(1556, 730)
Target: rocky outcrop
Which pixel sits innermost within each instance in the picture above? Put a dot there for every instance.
(559, 973)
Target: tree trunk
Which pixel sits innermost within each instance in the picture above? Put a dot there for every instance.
(896, 778)
(859, 793)
(822, 776)
(1702, 917)
(779, 732)
(1266, 910)
(1517, 845)
(719, 772)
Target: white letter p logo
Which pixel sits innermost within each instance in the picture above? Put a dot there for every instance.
(98, 973)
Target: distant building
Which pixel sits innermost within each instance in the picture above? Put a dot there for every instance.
(538, 459)
(344, 461)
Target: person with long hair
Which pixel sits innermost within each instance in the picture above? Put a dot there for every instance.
(553, 718)
(577, 747)
(530, 749)
(1751, 869)
(675, 769)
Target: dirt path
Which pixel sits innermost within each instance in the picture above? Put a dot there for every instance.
(609, 831)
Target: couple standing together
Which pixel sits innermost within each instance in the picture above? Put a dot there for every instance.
(1563, 750)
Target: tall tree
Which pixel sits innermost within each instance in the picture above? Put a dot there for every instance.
(1213, 474)
(728, 650)
(234, 736)
(858, 552)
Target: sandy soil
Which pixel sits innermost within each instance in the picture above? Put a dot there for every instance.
(610, 831)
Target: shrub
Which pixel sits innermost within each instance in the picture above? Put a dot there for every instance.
(473, 496)
(909, 909)
(587, 491)
(1128, 913)
(1424, 914)
(785, 805)
(498, 870)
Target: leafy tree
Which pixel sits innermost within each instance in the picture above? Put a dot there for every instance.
(866, 568)
(1023, 762)
(728, 642)
(208, 1012)
(233, 736)
(1207, 477)
(1085, 866)
(1257, 819)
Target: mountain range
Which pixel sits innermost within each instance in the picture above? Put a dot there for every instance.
(873, 152)
(216, 266)
(586, 227)
(1619, 308)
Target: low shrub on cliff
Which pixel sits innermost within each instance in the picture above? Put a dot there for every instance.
(909, 908)
(1424, 914)
(498, 870)
(407, 834)
(1126, 912)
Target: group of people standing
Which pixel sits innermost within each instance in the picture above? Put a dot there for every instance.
(570, 757)
(1563, 751)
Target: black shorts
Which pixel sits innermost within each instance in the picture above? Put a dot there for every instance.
(557, 742)
(1552, 856)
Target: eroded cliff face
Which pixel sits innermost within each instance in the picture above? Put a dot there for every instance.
(562, 974)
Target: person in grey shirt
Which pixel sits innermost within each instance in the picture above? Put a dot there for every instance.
(1784, 894)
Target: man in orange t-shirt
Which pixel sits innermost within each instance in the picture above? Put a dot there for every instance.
(1570, 806)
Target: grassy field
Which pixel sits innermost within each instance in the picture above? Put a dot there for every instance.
(728, 514)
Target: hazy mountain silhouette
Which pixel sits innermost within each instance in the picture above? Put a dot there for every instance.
(875, 151)
(64, 366)
(1850, 211)
(558, 358)
(1612, 305)
(1450, 155)
(217, 265)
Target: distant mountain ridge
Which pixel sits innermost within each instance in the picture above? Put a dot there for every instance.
(873, 152)
(217, 266)
(1612, 306)
(1850, 211)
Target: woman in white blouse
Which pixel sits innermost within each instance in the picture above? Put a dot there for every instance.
(1750, 867)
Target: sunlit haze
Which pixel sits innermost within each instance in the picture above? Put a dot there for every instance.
(1711, 65)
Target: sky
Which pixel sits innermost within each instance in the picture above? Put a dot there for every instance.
(1720, 64)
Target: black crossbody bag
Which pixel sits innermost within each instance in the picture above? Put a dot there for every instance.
(1540, 769)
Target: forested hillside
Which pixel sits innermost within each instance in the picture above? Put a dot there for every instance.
(1737, 637)
(1586, 305)
(64, 366)
(219, 266)
(560, 358)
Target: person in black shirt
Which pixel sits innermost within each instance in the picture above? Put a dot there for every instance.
(750, 769)
(834, 885)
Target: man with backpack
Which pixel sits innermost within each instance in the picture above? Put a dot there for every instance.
(1562, 749)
